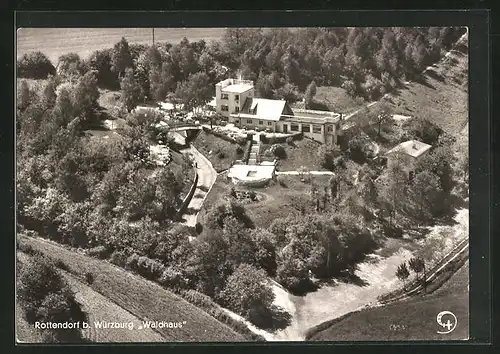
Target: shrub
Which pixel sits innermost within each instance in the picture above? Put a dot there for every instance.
(61, 265)
(35, 65)
(119, 258)
(357, 149)
(208, 305)
(280, 152)
(89, 278)
(289, 140)
(172, 278)
(100, 252)
(239, 150)
(132, 262)
(221, 155)
(199, 228)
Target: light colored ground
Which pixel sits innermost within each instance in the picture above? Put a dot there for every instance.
(99, 308)
(206, 178)
(377, 273)
(83, 41)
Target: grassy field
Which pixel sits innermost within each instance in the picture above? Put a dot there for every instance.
(278, 199)
(142, 298)
(99, 308)
(83, 41)
(337, 100)
(440, 96)
(25, 333)
(413, 319)
(220, 152)
(301, 153)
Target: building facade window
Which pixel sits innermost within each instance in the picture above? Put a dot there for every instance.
(294, 127)
(236, 109)
(237, 98)
(330, 128)
(249, 121)
(269, 123)
(306, 129)
(317, 129)
(224, 96)
(261, 122)
(224, 108)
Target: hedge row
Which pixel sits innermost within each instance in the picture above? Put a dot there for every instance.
(279, 139)
(236, 140)
(246, 154)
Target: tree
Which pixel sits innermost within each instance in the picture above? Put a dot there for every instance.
(195, 91)
(24, 96)
(70, 66)
(49, 94)
(47, 298)
(241, 247)
(265, 255)
(63, 108)
(417, 265)
(381, 115)
(327, 154)
(394, 191)
(132, 93)
(85, 96)
(402, 272)
(35, 65)
(100, 61)
(247, 293)
(333, 183)
(309, 95)
(419, 54)
(162, 81)
(426, 193)
(439, 162)
(121, 59)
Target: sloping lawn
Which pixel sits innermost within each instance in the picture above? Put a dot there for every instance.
(279, 199)
(302, 152)
(413, 319)
(441, 96)
(219, 152)
(142, 298)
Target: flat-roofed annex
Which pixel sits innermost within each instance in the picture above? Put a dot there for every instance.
(237, 88)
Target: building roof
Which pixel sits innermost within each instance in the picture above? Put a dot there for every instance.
(412, 148)
(262, 108)
(251, 172)
(238, 88)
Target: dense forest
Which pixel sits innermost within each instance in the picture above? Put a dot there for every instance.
(107, 196)
(367, 62)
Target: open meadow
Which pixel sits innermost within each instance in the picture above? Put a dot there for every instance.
(83, 41)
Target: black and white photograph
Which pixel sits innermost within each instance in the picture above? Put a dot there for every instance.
(278, 184)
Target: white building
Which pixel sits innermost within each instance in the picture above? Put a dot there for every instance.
(235, 99)
(407, 154)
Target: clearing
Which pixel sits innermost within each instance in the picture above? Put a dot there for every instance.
(441, 96)
(333, 98)
(303, 152)
(373, 277)
(412, 319)
(142, 298)
(55, 42)
(276, 200)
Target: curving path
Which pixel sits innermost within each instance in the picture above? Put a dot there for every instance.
(206, 179)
